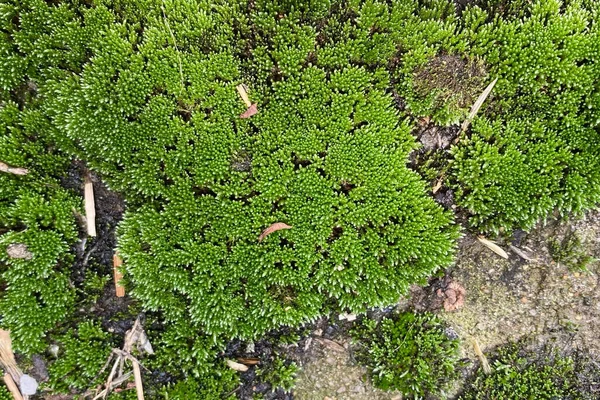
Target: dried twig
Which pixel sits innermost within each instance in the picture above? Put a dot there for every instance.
(438, 184)
(521, 253)
(137, 376)
(117, 382)
(111, 376)
(7, 357)
(249, 360)
(13, 170)
(90, 206)
(331, 344)
(241, 88)
(12, 387)
(117, 263)
(251, 109)
(465, 125)
(135, 336)
(88, 254)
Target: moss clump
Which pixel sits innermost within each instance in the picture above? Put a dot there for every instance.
(82, 354)
(326, 154)
(35, 211)
(5, 394)
(219, 384)
(339, 179)
(279, 374)
(411, 353)
(520, 374)
(570, 252)
(537, 149)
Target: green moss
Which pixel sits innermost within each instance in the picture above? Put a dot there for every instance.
(326, 154)
(5, 394)
(279, 375)
(446, 87)
(144, 93)
(570, 252)
(37, 212)
(219, 384)
(80, 358)
(538, 151)
(411, 353)
(518, 374)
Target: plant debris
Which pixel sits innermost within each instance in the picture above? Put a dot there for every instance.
(236, 366)
(19, 250)
(251, 108)
(13, 170)
(277, 226)
(475, 109)
(117, 263)
(90, 206)
(493, 247)
(454, 296)
(136, 336)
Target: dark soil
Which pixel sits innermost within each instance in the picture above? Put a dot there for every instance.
(292, 345)
(94, 255)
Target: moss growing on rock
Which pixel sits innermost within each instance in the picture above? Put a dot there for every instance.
(411, 353)
(522, 374)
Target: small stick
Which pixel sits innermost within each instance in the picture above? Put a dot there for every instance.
(520, 253)
(465, 125)
(90, 206)
(106, 364)
(117, 263)
(113, 385)
(241, 88)
(7, 357)
(111, 375)
(438, 184)
(137, 376)
(12, 387)
(12, 170)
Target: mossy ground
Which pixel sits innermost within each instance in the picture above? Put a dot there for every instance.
(506, 301)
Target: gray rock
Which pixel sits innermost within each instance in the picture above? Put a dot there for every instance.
(28, 385)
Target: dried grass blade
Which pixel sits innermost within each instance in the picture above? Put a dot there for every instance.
(249, 361)
(241, 88)
(7, 356)
(331, 344)
(493, 247)
(475, 109)
(137, 376)
(482, 358)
